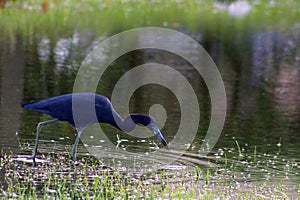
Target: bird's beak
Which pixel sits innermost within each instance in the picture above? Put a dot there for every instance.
(158, 134)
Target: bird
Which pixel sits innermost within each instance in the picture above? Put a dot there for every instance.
(61, 109)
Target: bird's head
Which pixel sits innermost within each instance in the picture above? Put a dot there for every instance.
(150, 123)
(154, 128)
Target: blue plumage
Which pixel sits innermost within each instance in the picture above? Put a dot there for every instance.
(61, 108)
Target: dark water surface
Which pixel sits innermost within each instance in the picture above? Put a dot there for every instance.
(260, 71)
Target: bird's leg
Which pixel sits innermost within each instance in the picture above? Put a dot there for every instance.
(75, 145)
(38, 130)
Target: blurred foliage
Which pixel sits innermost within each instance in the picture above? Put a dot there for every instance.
(63, 16)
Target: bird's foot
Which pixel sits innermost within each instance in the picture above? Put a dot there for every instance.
(33, 160)
(74, 160)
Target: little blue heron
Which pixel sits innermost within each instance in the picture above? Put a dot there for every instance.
(60, 108)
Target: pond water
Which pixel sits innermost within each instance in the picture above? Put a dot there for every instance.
(260, 71)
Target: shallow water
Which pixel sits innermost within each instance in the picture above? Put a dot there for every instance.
(260, 71)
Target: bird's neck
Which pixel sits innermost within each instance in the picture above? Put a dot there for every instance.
(126, 125)
(130, 122)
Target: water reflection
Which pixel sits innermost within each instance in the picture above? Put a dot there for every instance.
(11, 90)
(262, 85)
(11, 95)
(287, 92)
(276, 69)
(260, 71)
